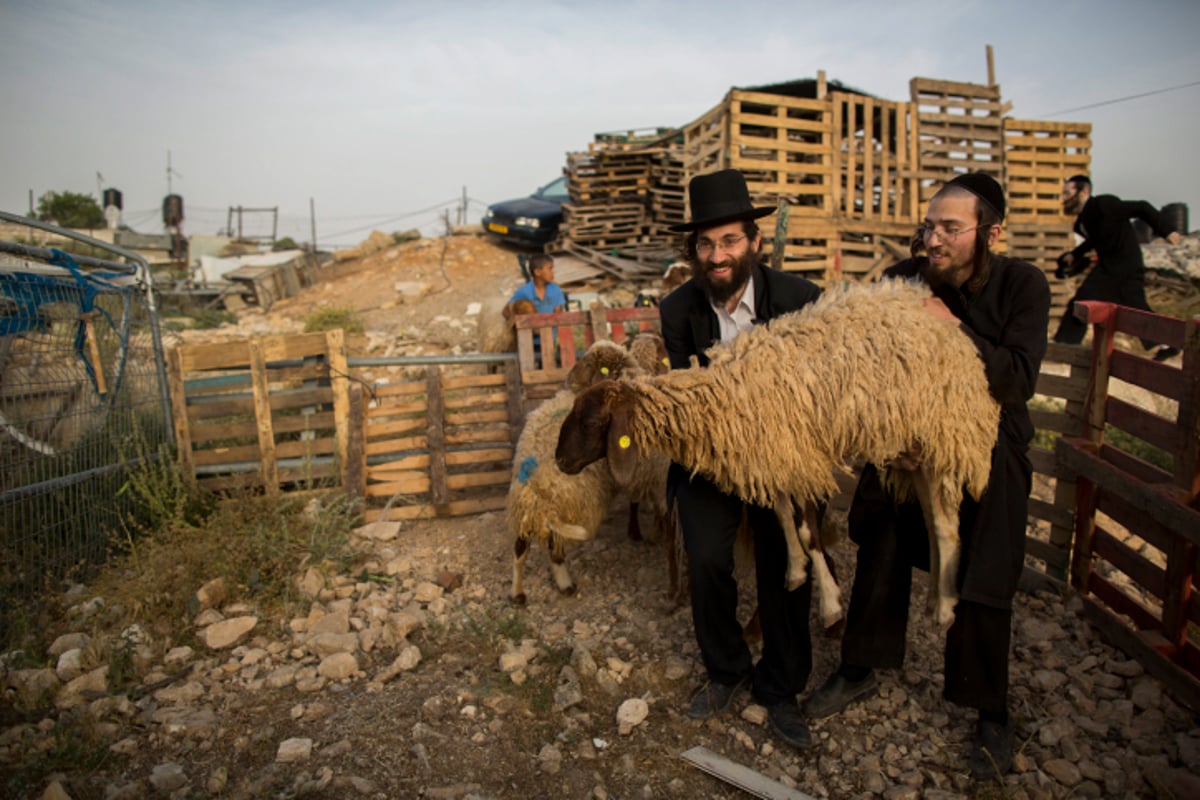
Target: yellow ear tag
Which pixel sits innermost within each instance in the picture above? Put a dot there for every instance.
(604, 370)
(666, 361)
(624, 442)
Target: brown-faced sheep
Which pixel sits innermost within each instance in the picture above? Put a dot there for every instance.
(864, 372)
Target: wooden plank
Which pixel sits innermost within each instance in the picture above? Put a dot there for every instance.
(426, 511)
(436, 422)
(262, 411)
(355, 477)
(1145, 574)
(740, 776)
(1146, 426)
(458, 458)
(416, 483)
(1137, 468)
(1159, 378)
(475, 480)
(1182, 685)
(339, 370)
(1149, 499)
(1055, 559)
(1111, 595)
(179, 415)
(396, 445)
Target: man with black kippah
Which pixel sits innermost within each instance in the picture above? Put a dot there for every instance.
(1120, 274)
(1003, 305)
(729, 292)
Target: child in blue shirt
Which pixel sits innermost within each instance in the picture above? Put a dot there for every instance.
(546, 295)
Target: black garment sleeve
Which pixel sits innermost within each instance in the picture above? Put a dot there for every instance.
(1013, 360)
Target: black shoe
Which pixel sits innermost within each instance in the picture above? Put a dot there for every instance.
(837, 693)
(1166, 351)
(714, 699)
(788, 724)
(991, 752)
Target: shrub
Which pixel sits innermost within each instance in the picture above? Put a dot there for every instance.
(328, 319)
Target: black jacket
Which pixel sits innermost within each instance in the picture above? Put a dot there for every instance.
(690, 326)
(1104, 225)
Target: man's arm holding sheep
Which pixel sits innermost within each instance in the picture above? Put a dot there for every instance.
(1013, 361)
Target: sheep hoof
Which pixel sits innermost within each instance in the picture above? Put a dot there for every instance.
(567, 591)
(794, 582)
(517, 599)
(945, 615)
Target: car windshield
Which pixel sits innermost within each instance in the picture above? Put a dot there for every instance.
(554, 190)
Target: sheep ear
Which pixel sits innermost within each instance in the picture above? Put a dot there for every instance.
(622, 450)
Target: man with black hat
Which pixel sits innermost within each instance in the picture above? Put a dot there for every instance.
(1120, 273)
(1003, 305)
(730, 291)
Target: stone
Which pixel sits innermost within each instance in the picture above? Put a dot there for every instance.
(293, 750)
(311, 582)
(567, 692)
(630, 714)
(325, 644)
(68, 641)
(380, 530)
(337, 621)
(70, 665)
(168, 777)
(402, 623)
(76, 692)
(427, 592)
(212, 594)
(1062, 771)
(184, 694)
(178, 656)
(55, 791)
(227, 633)
(338, 666)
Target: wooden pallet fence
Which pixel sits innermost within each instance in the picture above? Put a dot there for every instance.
(706, 142)
(874, 158)
(783, 145)
(269, 412)
(441, 446)
(959, 129)
(1038, 157)
(1137, 510)
(548, 345)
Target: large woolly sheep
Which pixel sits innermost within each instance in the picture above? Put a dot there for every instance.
(864, 372)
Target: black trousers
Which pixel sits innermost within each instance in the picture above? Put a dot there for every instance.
(710, 520)
(891, 542)
(1127, 290)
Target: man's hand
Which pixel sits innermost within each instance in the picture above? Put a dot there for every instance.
(1069, 266)
(1173, 237)
(937, 308)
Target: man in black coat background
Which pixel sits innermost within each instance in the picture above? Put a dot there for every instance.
(1120, 273)
(730, 291)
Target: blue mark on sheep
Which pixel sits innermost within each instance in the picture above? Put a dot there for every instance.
(528, 466)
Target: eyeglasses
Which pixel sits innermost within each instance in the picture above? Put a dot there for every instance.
(725, 243)
(947, 235)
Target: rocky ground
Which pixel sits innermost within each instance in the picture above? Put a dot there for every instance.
(416, 678)
(411, 676)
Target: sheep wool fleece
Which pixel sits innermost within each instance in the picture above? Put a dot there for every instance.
(1007, 319)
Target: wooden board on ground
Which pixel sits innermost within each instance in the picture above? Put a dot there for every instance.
(740, 776)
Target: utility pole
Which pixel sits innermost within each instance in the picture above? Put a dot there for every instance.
(312, 216)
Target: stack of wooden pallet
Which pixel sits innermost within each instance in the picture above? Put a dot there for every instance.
(959, 129)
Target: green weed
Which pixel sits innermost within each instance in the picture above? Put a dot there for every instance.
(328, 319)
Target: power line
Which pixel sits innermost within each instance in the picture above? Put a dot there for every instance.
(1120, 99)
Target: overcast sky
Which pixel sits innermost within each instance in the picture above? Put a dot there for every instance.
(380, 110)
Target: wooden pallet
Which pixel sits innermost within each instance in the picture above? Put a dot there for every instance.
(1038, 157)
(959, 129)
(874, 158)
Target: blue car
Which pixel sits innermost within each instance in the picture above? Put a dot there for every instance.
(531, 221)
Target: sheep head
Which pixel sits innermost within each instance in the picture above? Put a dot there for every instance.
(650, 352)
(603, 360)
(598, 427)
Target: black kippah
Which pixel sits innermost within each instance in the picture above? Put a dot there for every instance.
(985, 188)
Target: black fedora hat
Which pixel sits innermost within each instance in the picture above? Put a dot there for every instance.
(717, 198)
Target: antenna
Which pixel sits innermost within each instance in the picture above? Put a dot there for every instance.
(170, 172)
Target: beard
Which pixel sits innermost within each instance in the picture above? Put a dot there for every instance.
(721, 289)
(1073, 205)
(946, 273)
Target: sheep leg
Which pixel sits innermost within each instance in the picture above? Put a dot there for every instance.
(831, 601)
(797, 570)
(558, 566)
(520, 551)
(635, 528)
(941, 521)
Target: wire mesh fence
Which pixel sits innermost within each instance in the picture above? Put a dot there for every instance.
(82, 400)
